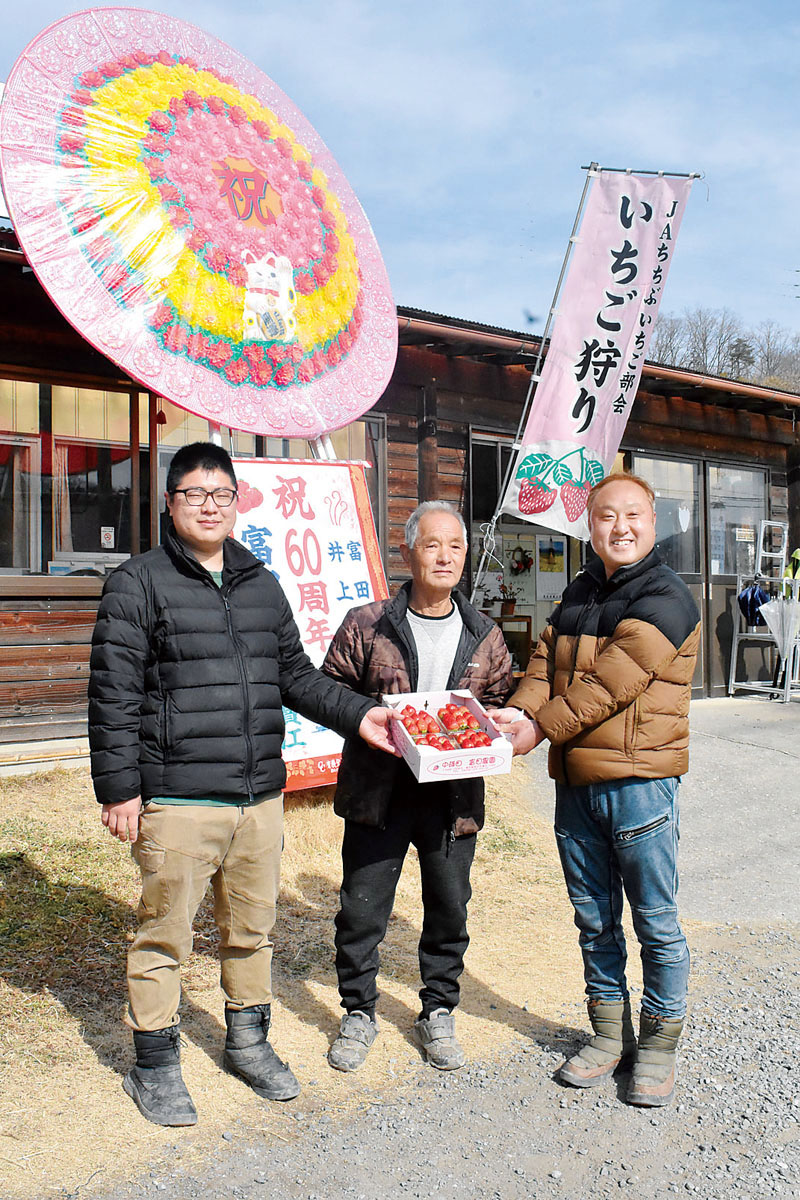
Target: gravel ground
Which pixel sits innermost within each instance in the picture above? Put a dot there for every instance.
(504, 1128)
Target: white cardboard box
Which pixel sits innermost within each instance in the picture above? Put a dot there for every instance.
(429, 765)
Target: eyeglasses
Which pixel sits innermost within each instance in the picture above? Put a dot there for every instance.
(222, 497)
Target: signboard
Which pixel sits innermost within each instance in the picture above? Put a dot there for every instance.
(605, 318)
(311, 524)
(191, 224)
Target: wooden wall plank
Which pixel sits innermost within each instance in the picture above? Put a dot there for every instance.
(42, 697)
(25, 627)
(44, 662)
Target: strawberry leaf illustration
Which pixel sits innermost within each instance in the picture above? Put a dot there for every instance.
(593, 470)
(534, 464)
(562, 474)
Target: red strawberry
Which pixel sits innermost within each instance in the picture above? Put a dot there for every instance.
(535, 496)
(574, 499)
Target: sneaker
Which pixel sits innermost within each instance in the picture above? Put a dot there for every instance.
(437, 1035)
(356, 1035)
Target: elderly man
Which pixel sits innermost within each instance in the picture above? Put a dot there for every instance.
(428, 638)
(609, 685)
(194, 653)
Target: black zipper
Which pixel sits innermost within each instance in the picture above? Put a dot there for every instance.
(248, 764)
(627, 835)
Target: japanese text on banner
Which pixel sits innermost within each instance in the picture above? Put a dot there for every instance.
(603, 326)
(311, 525)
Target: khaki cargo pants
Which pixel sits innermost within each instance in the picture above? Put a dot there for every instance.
(180, 850)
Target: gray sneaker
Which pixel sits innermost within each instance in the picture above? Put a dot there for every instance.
(437, 1035)
(356, 1034)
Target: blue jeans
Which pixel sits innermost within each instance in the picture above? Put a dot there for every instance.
(623, 834)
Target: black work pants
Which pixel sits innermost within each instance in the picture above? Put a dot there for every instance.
(372, 860)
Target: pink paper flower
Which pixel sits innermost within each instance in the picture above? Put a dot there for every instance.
(91, 79)
(215, 105)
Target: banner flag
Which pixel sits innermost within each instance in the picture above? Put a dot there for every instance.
(310, 523)
(603, 324)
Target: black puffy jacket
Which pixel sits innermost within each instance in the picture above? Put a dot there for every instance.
(188, 680)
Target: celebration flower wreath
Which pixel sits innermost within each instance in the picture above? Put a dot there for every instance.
(198, 206)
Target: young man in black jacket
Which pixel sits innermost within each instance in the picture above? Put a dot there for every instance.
(194, 653)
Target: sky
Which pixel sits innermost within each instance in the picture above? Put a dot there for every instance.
(462, 126)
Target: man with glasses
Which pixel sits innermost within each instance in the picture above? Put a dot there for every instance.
(194, 654)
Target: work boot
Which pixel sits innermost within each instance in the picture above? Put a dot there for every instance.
(155, 1084)
(356, 1035)
(249, 1055)
(437, 1035)
(613, 1043)
(653, 1078)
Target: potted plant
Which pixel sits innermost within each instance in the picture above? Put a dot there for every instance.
(508, 599)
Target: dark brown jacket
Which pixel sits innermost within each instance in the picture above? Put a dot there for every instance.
(374, 653)
(610, 680)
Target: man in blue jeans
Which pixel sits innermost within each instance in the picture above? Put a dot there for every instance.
(609, 686)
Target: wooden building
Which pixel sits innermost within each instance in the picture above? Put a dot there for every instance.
(84, 453)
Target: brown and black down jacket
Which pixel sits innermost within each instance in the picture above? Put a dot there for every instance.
(374, 653)
(610, 680)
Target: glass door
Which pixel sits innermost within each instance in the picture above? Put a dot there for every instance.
(679, 528)
(737, 503)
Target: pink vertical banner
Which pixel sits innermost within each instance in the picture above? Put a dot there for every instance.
(603, 324)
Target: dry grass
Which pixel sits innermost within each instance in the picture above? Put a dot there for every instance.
(67, 895)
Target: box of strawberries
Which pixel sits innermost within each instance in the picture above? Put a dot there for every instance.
(448, 735)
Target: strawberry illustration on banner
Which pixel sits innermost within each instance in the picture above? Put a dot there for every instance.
(543, 478)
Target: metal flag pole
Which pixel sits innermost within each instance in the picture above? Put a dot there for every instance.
(489, 540)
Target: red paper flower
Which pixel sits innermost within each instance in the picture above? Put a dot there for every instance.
(155, 141)
(262, 129)
(237, 115)
(176, 339)
(217, 259)
(278, 352)
(168, 193)
(254, 352)
(284, 375)
(303, 283)
(91, 79)
(192, 99)
(305, 372)
(179, 218)
(215, 105)
(114, 275)
(164, 58)
(304, 169)
(161, 317)
(261, 372)
(196, 240)
(196, 346)
(72, 142)
(112, 70)
(236, 371)
(218, 353)
(238, 276)
(160, 121)
(81, 96)
(178, 106)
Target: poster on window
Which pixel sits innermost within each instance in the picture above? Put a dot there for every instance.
(311, 524)
(604, 322)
